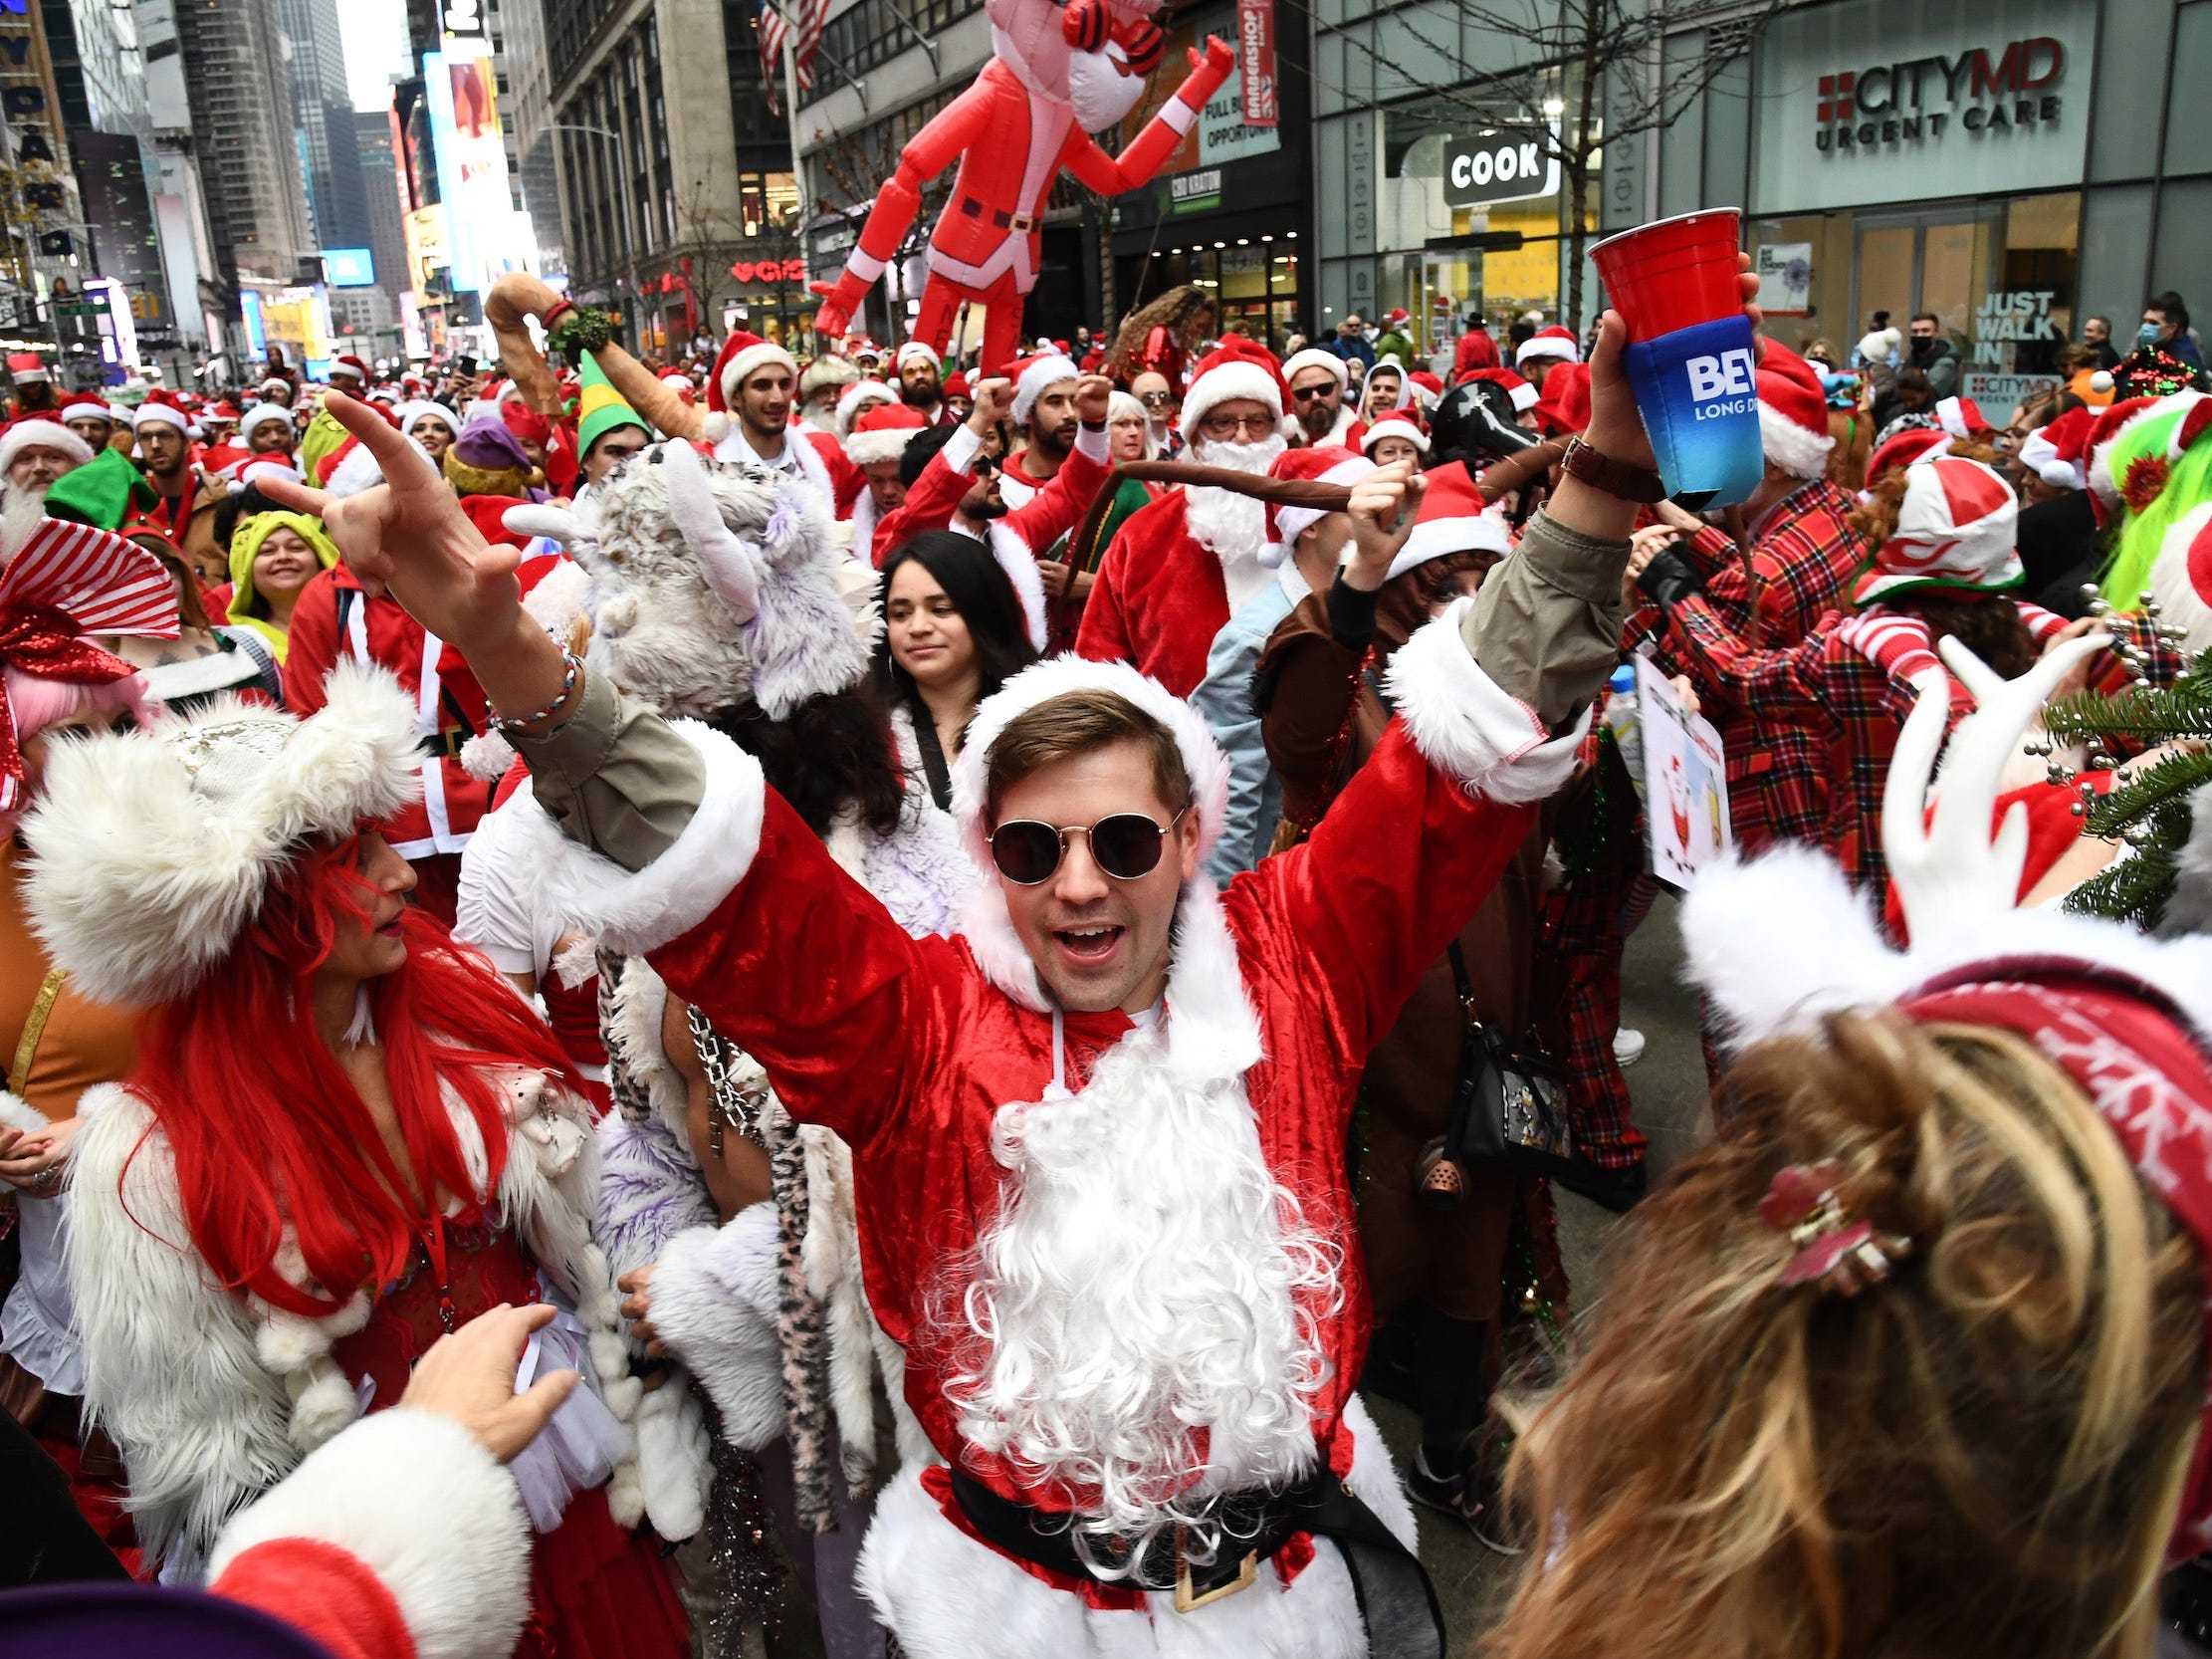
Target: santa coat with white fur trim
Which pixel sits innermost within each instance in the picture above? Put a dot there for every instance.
(1159, 598)
(909, 1049)
(214, 1397)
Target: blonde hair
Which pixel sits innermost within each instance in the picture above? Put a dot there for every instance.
(1983, 1455)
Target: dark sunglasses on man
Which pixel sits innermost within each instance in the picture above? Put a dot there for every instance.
(1306, 395)
(1126, 845)
(1156, 400)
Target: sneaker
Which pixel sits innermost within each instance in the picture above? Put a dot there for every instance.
(1628, 1047)
(1442, 1493)
(1470, 1497)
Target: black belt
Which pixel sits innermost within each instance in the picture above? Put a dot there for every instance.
(448, 744)
(1397, 1601)
(1023, 222)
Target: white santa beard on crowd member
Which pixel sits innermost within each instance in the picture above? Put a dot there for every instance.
(1232, 527)
(1120, 1302)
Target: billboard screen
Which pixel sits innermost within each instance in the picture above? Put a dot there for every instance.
(463, 101)
(349, 267)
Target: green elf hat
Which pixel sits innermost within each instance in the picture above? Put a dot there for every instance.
(105, 491)
(599, 408)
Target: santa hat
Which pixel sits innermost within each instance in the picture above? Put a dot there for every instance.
(681, 385)
(222, 409)
(46, 434)
(2059, 453)
(2115, 419)
(1427, 386)
(161, 409)
(1554, 342)
(1454, 517)
(850, 400)
(1913, 444)
(1564, 405)
(1793, 412)
(1237, 368)
(1395, 317)
(155, 848)
(25, 367)
(918, 350)
(88, 411)
(1956, 528)
(2153, 470)
(1522, 395)
(353, 366)
(956, 384)
(260, 414)
(1324, 463)
(1392, 425)
(275, 383)
(1314, 357)
(527, 424)
(224, 460)
(883, 433)
(1031, 375)
(1961, 418)
(255, 468)
(411, 416)
(741, 355)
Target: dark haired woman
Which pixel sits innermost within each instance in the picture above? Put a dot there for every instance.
(952, 635)
(264, 1237)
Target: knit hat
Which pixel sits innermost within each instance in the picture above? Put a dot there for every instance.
(1454, 517)
(860, 391)
(1956, 528)
(1793, 412)
(45, 434)
(487, 459)
(1031, 375)
(259, 415)
(741, 355)
(825, 372)
(1394, 425)
(1314, 357)
(1522, 394)
(918, 350)
(601, 408)
(2058, 452)
(1325, 463)
(1554, 342)
(883, 433)
(1914, 443)
(1237, 368)
(102, 492)
(1564, 405)
(155, 848)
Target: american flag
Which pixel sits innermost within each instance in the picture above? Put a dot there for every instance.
(812, 15)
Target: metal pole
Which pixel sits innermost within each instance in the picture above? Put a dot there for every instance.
(789, 9)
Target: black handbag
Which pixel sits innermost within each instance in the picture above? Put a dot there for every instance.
(1511, 1105)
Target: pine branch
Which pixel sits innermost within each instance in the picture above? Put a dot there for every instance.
(2134, 889)
(2183, 709)
(2163, 787)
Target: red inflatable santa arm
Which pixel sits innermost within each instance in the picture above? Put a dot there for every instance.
(968, 121)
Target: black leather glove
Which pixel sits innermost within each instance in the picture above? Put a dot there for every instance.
(1669, 579)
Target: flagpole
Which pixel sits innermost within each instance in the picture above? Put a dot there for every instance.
(788, 10)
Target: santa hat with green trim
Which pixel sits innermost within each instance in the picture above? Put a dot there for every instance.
(601, 408)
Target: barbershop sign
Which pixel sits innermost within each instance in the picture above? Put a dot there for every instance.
(1900, 101)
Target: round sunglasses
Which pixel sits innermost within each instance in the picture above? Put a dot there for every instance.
(1125, 845)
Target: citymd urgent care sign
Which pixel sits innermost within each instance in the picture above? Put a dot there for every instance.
(1880, 101)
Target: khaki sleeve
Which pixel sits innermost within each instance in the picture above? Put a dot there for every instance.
(614, 776)
(1546, 624)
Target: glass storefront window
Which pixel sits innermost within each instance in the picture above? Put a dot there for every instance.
(1253, 282)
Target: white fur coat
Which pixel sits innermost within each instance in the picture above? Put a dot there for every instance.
(213, 1396)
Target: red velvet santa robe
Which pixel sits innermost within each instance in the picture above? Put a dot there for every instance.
(1158, 601)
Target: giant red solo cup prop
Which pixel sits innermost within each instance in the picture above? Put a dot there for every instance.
(1674, 274)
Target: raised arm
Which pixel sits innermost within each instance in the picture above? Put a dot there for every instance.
(948, 477)
(1057, 509)
(1112, 175)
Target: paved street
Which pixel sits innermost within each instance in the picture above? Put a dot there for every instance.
(1668, 1085)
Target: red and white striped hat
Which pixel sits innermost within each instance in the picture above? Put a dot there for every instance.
(1956, 528)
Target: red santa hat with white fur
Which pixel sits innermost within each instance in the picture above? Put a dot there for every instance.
(1793, 412)
(1554, 342)
(1326, 463)
(1397, 424)
(2059, 453)
(883, 433)
(1454, 517)
(1236, 369)
(741, 355)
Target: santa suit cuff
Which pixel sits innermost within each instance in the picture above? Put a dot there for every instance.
(1090, 442)
(962, 448)
(417, 1501)
(1467, 727)
(714, 1302)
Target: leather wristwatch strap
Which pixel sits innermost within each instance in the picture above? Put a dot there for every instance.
(1616, 478)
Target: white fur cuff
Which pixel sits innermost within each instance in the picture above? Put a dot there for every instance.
(1466, 726)
(428, 1511)
(636, 911)
(1797, 451)
(713, 1304)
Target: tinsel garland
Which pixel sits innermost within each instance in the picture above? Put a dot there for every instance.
(751, 1580)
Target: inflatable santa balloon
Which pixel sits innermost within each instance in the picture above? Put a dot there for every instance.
(1057, 75)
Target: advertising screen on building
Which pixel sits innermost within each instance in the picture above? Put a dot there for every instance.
(349, 267)
(462, 98)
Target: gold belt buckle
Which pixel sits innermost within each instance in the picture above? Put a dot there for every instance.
(1188, 1599)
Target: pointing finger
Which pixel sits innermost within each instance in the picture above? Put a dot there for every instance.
(402, 463)
(299, 497)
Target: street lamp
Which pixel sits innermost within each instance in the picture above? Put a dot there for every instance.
(622, 161)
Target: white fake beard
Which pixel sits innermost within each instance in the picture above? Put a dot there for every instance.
(1101, 93)
(1228, 525)
(1141, 1331)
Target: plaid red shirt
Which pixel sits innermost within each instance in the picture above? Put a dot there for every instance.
(1801, 562)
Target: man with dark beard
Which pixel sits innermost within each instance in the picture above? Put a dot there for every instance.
(1180, 567)
(1045, 410)
(1317, 381)
(920, 384)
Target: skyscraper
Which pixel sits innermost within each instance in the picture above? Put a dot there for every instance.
(242, 126)
(323, 111)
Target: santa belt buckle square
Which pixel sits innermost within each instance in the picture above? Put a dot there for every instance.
(1189, 1598)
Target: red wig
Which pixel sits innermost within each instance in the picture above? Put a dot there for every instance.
(266, 1128)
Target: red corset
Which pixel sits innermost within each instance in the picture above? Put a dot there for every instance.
(485, 1265)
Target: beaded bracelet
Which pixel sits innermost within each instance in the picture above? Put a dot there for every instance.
(507, 723)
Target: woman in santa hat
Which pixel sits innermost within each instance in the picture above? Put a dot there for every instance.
(265, 1237)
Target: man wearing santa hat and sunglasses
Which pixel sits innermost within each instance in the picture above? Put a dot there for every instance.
(1098, 1136)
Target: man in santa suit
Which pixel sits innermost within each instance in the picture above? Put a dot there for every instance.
(879, 438)
(1182, 567)
(1318, 381)
(749, 421)
(1045, 410)
(1098, 1137)
(1541, 349)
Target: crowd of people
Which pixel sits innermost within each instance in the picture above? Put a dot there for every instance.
(853, 1004)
